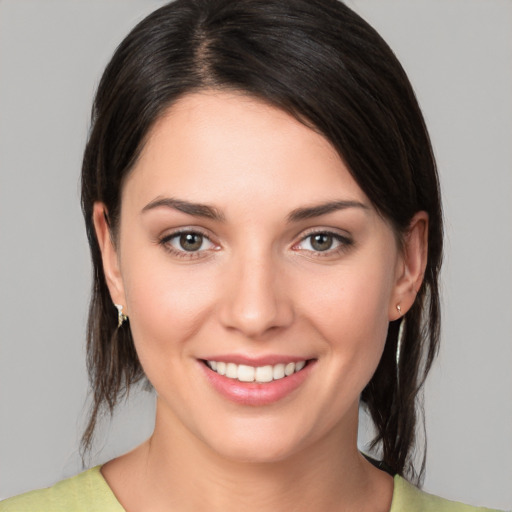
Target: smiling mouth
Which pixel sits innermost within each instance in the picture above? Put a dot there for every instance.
(259, 374)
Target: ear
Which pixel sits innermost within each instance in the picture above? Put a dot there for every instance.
(109, 254)
(411, 267)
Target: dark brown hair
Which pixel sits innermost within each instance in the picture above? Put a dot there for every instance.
(324, 65)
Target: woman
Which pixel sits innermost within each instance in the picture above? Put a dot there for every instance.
(263, 211)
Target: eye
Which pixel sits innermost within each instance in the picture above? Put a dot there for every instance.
(187, 243)
(324, 242)
(321, 241)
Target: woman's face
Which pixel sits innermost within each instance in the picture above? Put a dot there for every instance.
(245, 245)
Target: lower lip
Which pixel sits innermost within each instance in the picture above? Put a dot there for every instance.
(254, 393)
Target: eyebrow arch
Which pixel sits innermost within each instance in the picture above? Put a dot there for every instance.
(322, 209)
(196, 209)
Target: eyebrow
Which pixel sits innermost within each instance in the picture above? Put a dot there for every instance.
(323, 209)
(196, 209)
(210, 212)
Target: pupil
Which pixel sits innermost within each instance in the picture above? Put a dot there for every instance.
(321, 242)
(191, 241)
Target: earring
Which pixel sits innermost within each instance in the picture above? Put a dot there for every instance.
(399, 308)
(120, 316)
(399, 343)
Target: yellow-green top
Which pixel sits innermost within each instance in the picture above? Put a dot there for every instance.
(89, 492)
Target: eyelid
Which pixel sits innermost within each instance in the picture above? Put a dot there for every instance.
(164, 240)
(345, 241)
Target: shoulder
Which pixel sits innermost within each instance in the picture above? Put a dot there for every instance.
(84, 492)
(407, 498)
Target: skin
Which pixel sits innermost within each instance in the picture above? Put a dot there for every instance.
(256, 287)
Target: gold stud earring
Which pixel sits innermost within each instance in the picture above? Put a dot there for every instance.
(120, 316)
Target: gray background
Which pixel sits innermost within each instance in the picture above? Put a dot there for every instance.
(458, 54)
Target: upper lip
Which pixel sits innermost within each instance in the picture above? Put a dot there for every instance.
(270, 359)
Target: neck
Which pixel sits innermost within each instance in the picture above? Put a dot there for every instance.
(181, 470)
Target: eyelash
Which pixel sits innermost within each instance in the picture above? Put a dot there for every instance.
(344, 244)
(165, 242)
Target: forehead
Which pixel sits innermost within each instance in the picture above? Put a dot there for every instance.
(227, 147)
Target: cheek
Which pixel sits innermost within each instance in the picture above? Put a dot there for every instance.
(349, 309)
(167, 303)
(356, 297)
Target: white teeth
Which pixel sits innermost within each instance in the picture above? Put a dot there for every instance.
(221, 368)
(289, 369)
(262, 374)
(232, 371)
(278, 372)
(246, 373)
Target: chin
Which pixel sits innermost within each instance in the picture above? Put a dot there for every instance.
(260, 442)
(254, 452)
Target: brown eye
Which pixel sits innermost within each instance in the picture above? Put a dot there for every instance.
(191, 241)
(321, 241)
(325, 243)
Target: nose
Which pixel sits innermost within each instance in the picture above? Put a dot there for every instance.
(256, 299)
